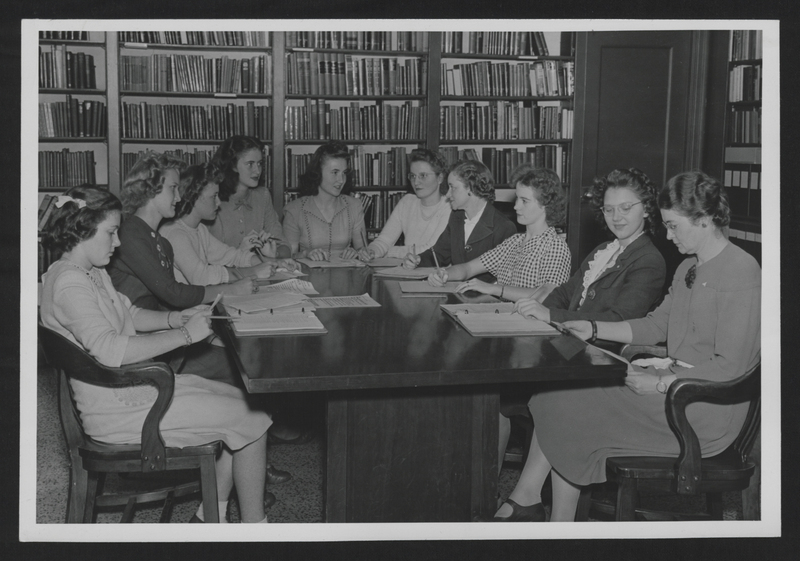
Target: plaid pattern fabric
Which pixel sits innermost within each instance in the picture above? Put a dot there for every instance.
(515, 262)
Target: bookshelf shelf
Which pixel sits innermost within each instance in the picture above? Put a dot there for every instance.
(201, 95)
(72, 42)
(752, 61)
(505, 98)
(77, 139)
(174, 47)
(755, 103)
(519, 58)
(358, 52)
(513, 142)
(356, 142)
(177, 141)
(355, 97)
(71, 91)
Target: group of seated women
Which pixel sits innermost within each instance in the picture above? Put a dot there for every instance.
(181, 235)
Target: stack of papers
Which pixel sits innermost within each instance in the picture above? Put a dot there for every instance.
(403, 273)
(385, 262)
(501, 324)
(335, 261)
(261, 302)
(296, 286)
(427, 288)
(293, 323)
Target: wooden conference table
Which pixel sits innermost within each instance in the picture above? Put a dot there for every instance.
(412, 398)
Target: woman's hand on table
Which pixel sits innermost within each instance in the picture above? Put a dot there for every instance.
(349, 253)
(477, 286)
(289, 264)
(438, 277)
(265, 270)
(247, 285)
(642, 380)
(365, 254)
(318, 255)
(580, 328)
(531, 308)
(199, 326)
(411, 261)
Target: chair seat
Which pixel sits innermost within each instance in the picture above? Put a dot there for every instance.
(726, 466)
(101, 450)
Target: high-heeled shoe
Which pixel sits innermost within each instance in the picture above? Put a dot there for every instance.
(275, 475)
(519, 513)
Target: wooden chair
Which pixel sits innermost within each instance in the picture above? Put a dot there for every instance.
(689, 474)
(91, 460)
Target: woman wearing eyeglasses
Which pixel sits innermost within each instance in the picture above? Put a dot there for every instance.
(621, 279)
(324, 220)
(420, 217)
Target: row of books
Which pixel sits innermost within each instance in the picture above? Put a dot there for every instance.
(744, 83)
(539, 78)
(312, 73)
(378, 207)
(194, 157)
(504, 120)
(211, 38)
(380, 121)
(196, 74)
(209, 122)
(73, 118)
(382, 169)
(744, 126)
(743, 183)
(65, 35)
(63, 69)
(506, 43)
(64, 168)
(502, 161)
(46, 209)
(746, 45)
(359, 40)
(743, 176)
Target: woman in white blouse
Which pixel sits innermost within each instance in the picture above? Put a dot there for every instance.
(420, 217)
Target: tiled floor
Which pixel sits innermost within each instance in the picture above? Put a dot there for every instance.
(298, 500)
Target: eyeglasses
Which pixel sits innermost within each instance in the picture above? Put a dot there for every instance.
(670, 226)
(422, 176)
(623, 209)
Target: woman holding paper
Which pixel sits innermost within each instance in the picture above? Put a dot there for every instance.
(199, 257)
(80, 302)
(247, 217)
(475, 225)
(523, 262)
(710, 320)
(420, 217)
(325, 221)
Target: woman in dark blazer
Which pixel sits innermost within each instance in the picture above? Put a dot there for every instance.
(621, 279)
(471, 195)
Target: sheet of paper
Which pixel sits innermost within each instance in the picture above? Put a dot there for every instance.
(297, 286)
(261, 302)
(403, 273)
(281, 275)
(360, 301)
(385, 262)
(335, 261)
(500, 324)
(265, 324)
(501, 307)
(424, 286)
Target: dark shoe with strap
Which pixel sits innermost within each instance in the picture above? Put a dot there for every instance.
(532, 513)
(303, 437)
(275, 475)
(269, 500)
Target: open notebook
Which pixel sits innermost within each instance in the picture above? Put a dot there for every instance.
(496, 320)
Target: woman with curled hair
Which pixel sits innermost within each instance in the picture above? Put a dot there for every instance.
(142, 268)
(80, 302)
(325, 221)
(420, 217)
(710, 321)
(475, 225)
(247, 217)
(200, 258)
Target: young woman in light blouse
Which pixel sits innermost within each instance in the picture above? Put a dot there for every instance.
(200, 258)
(325, 221)
(420, 217)
(79, 302)
(247, 217)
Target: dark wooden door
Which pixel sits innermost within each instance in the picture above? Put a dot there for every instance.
(636, 105)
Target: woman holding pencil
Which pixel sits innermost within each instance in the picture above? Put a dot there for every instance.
(246, 218)
(475, 225)
(420, 217)
(324, 221)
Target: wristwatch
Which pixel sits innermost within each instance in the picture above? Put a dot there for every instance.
(661, 386)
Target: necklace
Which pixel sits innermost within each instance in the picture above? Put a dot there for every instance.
(428, 217)
(89, 274)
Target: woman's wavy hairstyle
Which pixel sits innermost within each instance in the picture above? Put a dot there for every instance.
(695, 195)
(227, 157)
(70, 225)
(476, 177)
(308, 183)
(635, 180)
(547, 189)
(193, 180)
(145, 180)
(434, 159)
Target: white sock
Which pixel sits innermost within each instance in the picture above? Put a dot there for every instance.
(222, 506)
